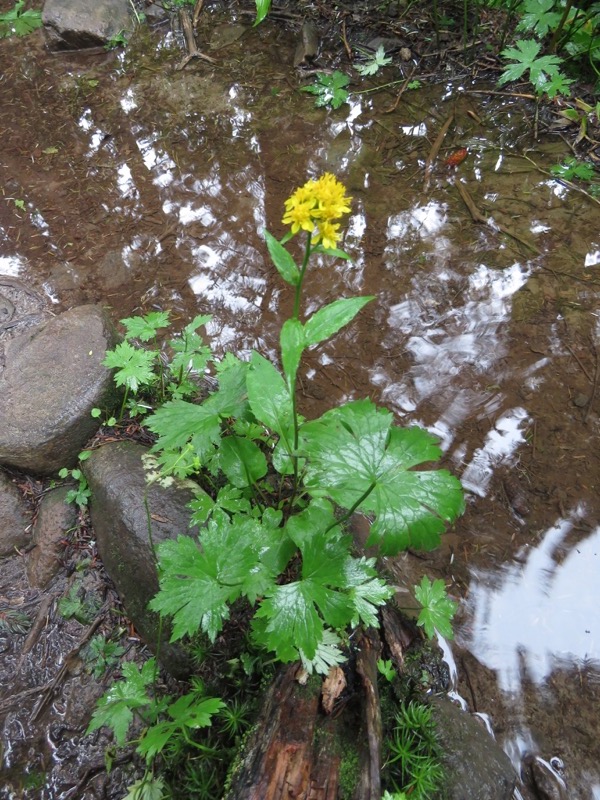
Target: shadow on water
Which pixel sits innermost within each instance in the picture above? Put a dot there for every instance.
(140, 187)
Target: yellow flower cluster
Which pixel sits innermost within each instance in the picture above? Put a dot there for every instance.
(314, 207)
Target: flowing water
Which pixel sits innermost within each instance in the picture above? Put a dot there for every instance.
(130, 184)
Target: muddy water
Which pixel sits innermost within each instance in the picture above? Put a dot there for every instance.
(141, 187)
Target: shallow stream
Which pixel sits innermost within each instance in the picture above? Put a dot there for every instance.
(136, 186)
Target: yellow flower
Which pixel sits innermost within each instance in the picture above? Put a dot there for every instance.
(316, 205)
(327, 233)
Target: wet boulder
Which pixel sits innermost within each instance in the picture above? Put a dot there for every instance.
(476, 767)
(14, 518)
(130, 518)
(52, 378)
(75, 24)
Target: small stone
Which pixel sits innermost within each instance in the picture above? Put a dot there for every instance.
(14, 518)
(581, 400)
(55, 518)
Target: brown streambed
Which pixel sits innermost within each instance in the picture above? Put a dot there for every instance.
(148, 188)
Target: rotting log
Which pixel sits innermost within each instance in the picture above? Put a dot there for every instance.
(305, 732)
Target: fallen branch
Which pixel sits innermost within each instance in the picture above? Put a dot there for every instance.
(190, 41)
(435, 150)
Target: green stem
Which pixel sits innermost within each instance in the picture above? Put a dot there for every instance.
(351, 510)
(296, 313)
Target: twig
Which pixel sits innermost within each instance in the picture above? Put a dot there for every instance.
(435, 150)
(401, 92)
(347, 47)
(197, 12)
(578, 360)
(190, 41)
(477, 216)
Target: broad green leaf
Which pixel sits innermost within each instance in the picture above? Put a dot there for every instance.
(270, 398)
(292, 621)
(292, 346)
(145, 328)
(539, 16)
(335, 252)
(18, 22)
(115, 707)
(354, 456)
(329, 319)
(242, 461)
(284, 263)
(438, 610)
(133, 366)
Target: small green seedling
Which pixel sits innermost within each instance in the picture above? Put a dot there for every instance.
(386, 668)
(374, 63)
(101, 654)
(18, 22)
(329, 90)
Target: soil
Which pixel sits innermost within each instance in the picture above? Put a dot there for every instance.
(132, 184)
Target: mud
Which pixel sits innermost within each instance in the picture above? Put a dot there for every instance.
(141, 187)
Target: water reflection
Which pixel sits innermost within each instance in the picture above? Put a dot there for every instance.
(539, 613)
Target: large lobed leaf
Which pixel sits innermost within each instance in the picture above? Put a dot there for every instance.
(355, 456)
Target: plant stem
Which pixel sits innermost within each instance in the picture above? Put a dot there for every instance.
(351, 510)
(296, 313)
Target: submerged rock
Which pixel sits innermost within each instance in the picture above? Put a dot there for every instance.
(476, 767)
(121, 518)
(14, 518)
(53, 377)
(74, 24)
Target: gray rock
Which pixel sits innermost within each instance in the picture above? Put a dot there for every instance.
(52, 379)
(117, 479)
(14, 518)
(476, 767)
(55, 518)
(74, 24)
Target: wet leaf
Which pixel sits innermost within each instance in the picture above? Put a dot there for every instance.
(438, 610)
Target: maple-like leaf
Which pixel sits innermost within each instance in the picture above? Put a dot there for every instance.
(133, 366)
(438, 610)
(146, 327)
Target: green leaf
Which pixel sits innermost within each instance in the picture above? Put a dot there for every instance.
(179, 423)
(538, 16)
(284, 263)
(133, 366)
(292, 346)
(262, 9)
(270, 399)
(115, 707)
(327, 654)
(330, 90)
(438, 610)
(191, 354)
(527, 58)
(354, 456)
(146, 327)
(242, 461)
(374, 63)
(18, 22)
(241, 556)
(329, 319)
(147, 788)
(188, 713)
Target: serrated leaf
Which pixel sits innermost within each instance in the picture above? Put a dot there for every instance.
(438, 610)
(178, 424)
(331, 318)
(327, 654)
(115, 707)
(354, 456)
(236, 557)
(374, 63)
(147, 788)
(188, 713)
(538, 16)
(284, 263)
(230, 399)
(134, 367)
(191, 353)
(146, 327)
(18, 22)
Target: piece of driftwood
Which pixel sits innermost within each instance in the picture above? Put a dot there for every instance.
(369, 652)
